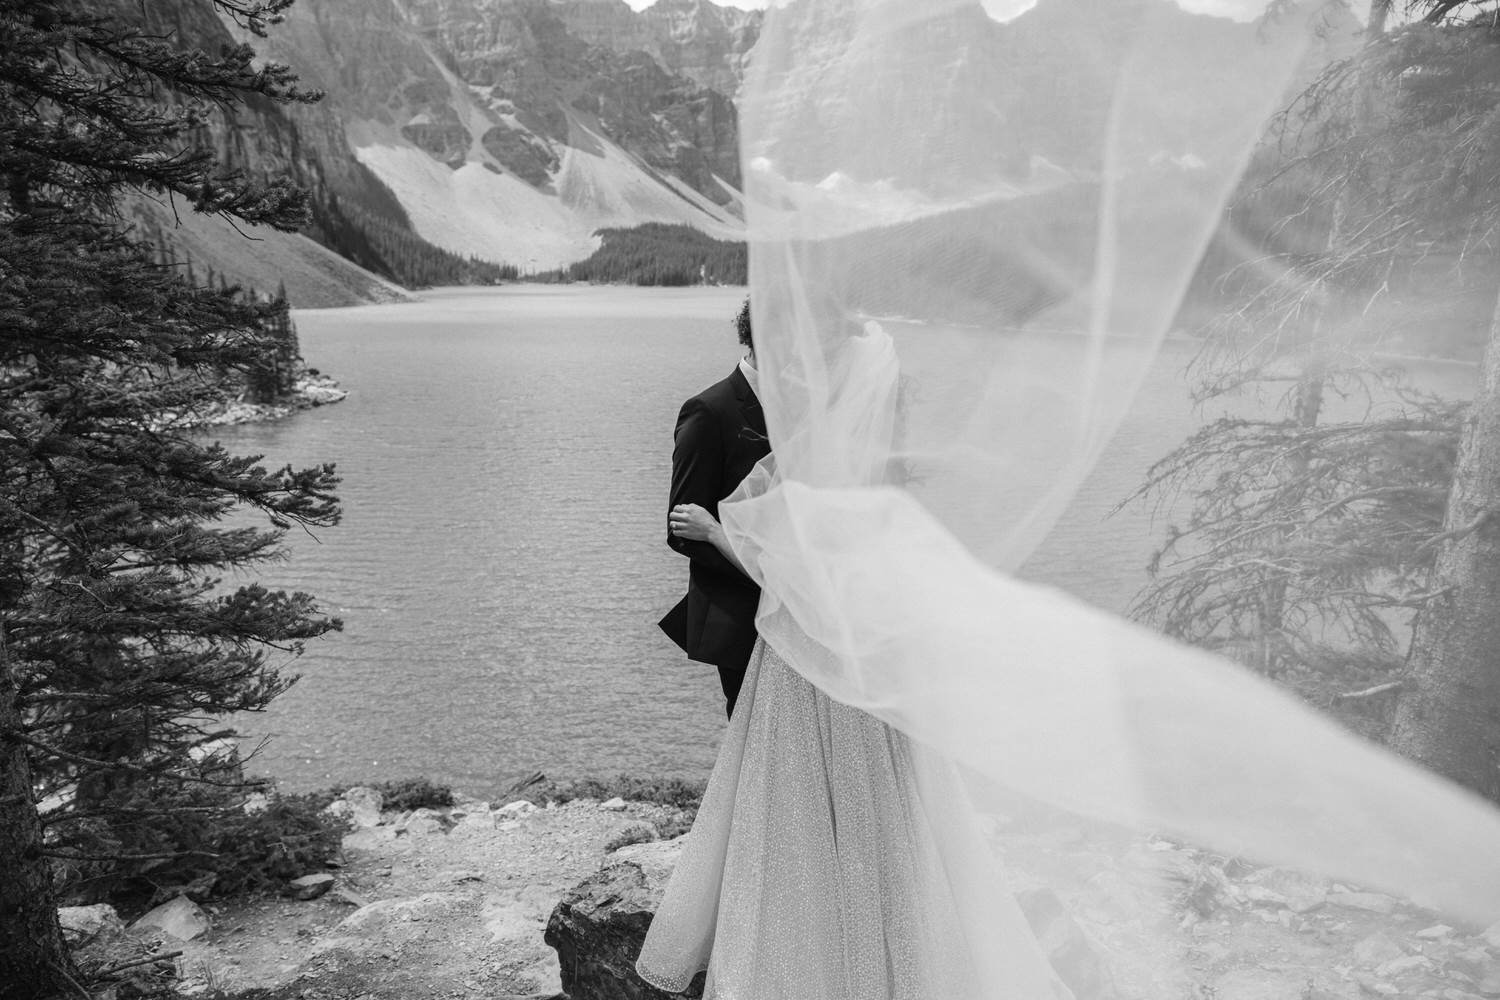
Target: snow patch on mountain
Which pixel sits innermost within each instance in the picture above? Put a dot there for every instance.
(474, 211)
(477, 211)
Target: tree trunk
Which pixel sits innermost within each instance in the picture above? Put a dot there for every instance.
(1380, 12)
(1272, 648)
(1448, 716)
(34, 960)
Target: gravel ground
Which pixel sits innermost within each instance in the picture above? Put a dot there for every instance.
(446, 905)
(452, 905)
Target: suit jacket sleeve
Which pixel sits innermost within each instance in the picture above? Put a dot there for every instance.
(698, 477)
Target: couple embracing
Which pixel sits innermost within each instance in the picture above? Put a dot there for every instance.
(832, 857)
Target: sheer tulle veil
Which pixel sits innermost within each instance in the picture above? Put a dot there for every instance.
(969, 238)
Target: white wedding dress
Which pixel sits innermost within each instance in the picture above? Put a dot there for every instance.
(835, 859)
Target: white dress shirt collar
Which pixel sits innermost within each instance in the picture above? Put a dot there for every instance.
(751, 375)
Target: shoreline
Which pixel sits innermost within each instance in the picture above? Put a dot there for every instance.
(478, 900)
(310, 390)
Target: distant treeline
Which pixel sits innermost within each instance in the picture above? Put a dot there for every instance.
(659, 254)
(387, 247)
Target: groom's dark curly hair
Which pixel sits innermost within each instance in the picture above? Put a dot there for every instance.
(742, 324)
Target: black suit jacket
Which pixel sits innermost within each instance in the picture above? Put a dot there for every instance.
(721, 434)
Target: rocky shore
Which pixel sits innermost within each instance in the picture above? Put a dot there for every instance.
(436, 903)
(477, 902)
(311, 388)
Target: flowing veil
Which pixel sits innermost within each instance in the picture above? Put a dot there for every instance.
(970, 234)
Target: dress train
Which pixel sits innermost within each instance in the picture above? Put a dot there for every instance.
(834, 859)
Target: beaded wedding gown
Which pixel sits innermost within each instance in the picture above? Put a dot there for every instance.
(835, 859)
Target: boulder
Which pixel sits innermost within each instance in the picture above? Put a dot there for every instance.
(598, 928)
(81, 924)
(615, 804)
(386, 926)
(656, 858)
(477, 820)
(180, 918)
(422, 822)
(319, 390)
(310, 886)
(364, 806)
(516, 809)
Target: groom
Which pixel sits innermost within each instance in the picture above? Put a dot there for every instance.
(721, 434)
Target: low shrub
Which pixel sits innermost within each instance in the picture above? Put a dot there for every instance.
(153, 841)
(679, 793)
(404, 794)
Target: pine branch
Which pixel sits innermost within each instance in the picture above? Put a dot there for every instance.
(111, 970)
(1457, 534)
(73, 758)
(162, 856)
(1370, 692)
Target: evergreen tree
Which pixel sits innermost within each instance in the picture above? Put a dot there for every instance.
(121, 658)
(658, 253)
(1303, 529)
(275, 375)
(1447, 133)
(1303, 533)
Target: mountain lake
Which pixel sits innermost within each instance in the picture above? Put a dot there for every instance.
(501, 564)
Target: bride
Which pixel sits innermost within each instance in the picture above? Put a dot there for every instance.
(832, 841)
(970, 231)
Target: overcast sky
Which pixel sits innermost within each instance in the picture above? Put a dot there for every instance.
(1002, 9)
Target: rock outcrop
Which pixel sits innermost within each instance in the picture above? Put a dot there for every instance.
(599, 925)
(309, 389)
(82, 924)
(180, 918)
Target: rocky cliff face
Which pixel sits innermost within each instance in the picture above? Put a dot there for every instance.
(537, 71)
(697, 39)
(506, 130)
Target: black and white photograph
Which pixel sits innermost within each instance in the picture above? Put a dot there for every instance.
(749, 499)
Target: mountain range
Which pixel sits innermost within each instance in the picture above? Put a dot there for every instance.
(509, 132)
(455, 131)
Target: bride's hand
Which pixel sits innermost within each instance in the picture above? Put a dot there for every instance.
(692, 522)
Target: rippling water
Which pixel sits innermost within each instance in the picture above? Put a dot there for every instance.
(501, 564)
